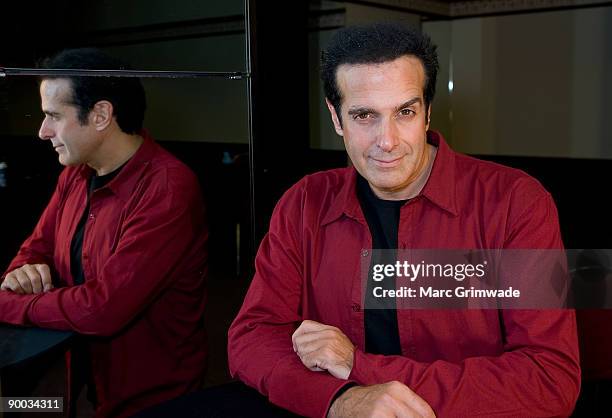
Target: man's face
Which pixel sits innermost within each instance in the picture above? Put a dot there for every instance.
(384, 123)
(74, 143)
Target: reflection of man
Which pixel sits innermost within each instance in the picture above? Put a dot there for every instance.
(119, 253)
(407, 189)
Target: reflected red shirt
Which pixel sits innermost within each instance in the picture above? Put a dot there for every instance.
(462, 362)
(144, 260)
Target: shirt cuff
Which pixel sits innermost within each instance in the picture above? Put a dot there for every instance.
(364, 370)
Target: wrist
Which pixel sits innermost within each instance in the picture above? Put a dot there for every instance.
(335, 410)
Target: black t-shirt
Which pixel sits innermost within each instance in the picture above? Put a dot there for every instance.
(380, 316)
(81, 365)
(76, 247)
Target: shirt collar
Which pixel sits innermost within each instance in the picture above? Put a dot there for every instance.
(124, 183)
(439, 189)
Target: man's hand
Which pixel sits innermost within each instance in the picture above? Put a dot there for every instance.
(387, 400)
(28, 279)
(323, 347)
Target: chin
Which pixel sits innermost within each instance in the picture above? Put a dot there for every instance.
(67, 162)
(388, 184)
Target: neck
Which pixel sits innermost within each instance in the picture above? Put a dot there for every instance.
(416, 187)
(115, 150)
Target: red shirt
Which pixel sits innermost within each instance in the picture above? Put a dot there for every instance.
(462, 362)
(144, 261)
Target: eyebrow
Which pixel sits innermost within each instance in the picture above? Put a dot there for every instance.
(364, 109)
(360, 110)
(409, 103)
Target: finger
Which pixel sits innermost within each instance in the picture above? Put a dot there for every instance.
(305, 327)
(305, 338)
(413, 401)
(327, 333)
(34, 276)
(45, 275)
(310, 326)
(382, 404)
(312, 329)
(402, 411)
(302, 329)
(419, 405)
(315, 368)
(399, 410)
(422, 409)
(327, 347)
(303, 348)
(313, 362)
(331, 338)
(24, 280)
(5, 285)
(396, 407)
(11, 283)
(326, 359)
(333, 349)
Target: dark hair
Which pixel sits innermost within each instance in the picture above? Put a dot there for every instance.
(374, 44)
(125, 93)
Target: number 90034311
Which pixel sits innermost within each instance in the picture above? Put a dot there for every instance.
(31, 404)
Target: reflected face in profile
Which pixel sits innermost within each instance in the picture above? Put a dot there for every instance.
(74, 142)
(384, 123)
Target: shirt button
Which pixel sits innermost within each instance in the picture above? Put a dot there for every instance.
(355, 307)
(364, 253)
(91, 216)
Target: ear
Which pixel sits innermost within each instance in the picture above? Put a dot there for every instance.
(335, 118)
(101, 115)
(428, 118)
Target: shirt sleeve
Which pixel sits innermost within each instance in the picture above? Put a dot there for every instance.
(164, 225)
(260, 350)
(538, 373)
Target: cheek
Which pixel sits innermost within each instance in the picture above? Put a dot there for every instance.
(359, 141)
(357, 151)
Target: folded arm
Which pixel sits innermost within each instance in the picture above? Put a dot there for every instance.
(157, 234)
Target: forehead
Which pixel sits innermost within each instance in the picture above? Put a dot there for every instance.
(402, 77)
(55, 91)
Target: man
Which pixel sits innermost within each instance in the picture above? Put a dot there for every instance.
(302, 337)
(118, 255)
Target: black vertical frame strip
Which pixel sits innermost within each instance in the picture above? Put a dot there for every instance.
(278, 100)
(251, 62)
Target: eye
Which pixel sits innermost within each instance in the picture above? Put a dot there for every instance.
(407, 112)
(362, 116)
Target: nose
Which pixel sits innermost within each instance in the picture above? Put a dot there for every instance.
(388, 137)
(45, 132)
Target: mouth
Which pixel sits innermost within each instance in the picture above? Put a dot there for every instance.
(58, 146)
(386, 163)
